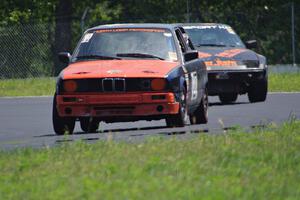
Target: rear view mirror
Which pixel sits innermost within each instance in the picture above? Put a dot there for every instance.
(251, 44)
(64, 57)
(190, 55)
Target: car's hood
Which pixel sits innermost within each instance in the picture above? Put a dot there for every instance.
(118, 68)
(228, 57)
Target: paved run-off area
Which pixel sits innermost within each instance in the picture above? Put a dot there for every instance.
(27, 121)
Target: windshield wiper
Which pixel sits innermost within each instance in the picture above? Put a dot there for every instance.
(211, 45)
(100, 57)
(139, 55)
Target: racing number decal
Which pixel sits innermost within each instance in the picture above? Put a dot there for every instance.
(194, 85)
(87, 37)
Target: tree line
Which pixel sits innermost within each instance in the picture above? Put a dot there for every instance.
(268, 21)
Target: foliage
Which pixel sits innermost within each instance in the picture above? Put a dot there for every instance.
(285, 82)
(27, 87)
(19, 12)
(25, 51)
(263, 164)
(268, 21)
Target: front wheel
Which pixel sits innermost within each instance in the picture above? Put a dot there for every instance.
(200, 116)
(179, 119)
(89, 125)
(61, 125)
(258, 91)
(227, 98)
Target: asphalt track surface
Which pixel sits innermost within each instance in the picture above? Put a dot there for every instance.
(26, 122)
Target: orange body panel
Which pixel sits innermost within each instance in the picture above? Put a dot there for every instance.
(119, 68)
(204, 55)
(123, 104)
(231, 53)
(218, 62)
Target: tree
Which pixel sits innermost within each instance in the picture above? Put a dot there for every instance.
(63, 31)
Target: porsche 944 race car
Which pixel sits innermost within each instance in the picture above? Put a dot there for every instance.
(130, 72)
(232, 67)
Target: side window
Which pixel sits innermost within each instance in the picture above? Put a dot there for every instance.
(181, 40)
(188, 43)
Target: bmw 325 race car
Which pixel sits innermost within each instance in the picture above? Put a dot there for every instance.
(130, 72)
(232, 67)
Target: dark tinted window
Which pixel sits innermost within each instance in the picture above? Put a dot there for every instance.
(213, 35)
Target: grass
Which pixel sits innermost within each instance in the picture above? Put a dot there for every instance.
(287, 82)
(27, 87)
(264, 164)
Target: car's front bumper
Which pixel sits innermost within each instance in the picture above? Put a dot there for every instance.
(118, 104)
(233, 81)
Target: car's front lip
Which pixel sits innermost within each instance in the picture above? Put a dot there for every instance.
(236, 75)
(238, 68)
(122, 104)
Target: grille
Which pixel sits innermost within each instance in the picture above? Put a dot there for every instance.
(120, 85)
(113, 85)
(107, 85)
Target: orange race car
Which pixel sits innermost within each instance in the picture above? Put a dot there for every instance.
(130, 72)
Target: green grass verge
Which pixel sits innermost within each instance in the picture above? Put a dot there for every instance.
(264, 164)
(27, 87)
(287, 82)
(46, 86)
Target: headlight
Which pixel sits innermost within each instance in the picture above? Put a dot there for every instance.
(158, 84)
(70, 86)
(251, 63)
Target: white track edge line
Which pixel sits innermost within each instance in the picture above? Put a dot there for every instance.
(24, 97)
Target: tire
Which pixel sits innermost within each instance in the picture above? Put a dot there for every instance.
(200, 116)
(61, 125)
(258, 91)
(179, 119)
(227, 98)
(88, 125)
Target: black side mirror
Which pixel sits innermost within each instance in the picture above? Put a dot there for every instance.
(251, 44)
(64, 57)
(190, 55)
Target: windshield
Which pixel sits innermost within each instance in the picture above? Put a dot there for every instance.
(213, 35)
(126, 44)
